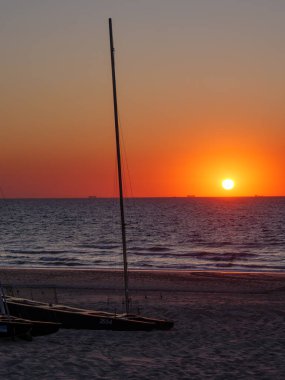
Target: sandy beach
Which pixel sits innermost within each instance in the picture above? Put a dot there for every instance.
(227, 325)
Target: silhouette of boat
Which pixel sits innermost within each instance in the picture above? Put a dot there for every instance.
(12, 326)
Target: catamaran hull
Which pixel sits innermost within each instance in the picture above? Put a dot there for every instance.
(75, 318)
(12, 327)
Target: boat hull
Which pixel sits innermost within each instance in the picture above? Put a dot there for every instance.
(12, 327)
(75, 318)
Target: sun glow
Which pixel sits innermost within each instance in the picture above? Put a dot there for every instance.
(228, 184)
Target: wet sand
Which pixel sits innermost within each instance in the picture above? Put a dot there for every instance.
(227, 325)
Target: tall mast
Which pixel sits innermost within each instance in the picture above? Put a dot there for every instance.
(119, 166)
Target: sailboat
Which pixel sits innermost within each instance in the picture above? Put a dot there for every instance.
(76, 318)
(12, 326)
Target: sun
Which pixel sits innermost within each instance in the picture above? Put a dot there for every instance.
(228, 184)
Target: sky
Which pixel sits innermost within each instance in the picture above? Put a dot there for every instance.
(200, 89)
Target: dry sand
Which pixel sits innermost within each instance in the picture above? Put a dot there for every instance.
(227, 326)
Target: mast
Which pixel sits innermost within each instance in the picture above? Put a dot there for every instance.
(119, 166)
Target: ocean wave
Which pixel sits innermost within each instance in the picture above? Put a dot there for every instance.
(37, 251)
(99, 246)
(169, 233)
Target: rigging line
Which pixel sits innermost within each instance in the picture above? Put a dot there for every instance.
(126, 178)
(126, 172)
(114, 205)
(123, 230)
(125, 157)
(121, 166)
(133, 210)
(127, 181)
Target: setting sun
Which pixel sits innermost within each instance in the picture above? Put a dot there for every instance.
(228, 184)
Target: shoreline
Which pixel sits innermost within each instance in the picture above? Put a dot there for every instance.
(143, 280)
(74, 268)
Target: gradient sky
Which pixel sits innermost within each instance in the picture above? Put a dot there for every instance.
(201, 91)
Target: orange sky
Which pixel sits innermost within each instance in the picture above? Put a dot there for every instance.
(201, 90)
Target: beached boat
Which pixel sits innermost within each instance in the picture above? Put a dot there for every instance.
(12, 326)
(76, 318)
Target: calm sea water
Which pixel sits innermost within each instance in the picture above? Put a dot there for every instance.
(245, 234)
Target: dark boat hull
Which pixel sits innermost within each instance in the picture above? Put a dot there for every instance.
(40, 328)
(75, 318)
(12, 327)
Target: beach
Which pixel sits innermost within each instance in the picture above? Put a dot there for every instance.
(227, 325)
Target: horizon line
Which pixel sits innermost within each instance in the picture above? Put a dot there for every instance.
(146, 197)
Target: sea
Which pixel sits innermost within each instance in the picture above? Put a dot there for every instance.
(236, 234)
